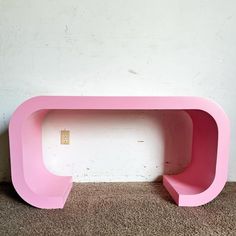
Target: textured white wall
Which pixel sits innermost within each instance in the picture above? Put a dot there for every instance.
(122, 47)
(117, 145)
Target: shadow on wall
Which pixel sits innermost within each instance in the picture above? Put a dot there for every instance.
(127, 146)
(5, 175)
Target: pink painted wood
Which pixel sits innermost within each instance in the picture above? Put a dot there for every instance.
(198, 184)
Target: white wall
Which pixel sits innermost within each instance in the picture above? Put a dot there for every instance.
(122, 47)
(117, 145)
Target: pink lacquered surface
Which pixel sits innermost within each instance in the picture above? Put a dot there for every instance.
(198, 184)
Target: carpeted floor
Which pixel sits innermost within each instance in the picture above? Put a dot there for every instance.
(118, 209)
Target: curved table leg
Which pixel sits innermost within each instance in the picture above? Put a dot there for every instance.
(33, 182)
(203, 180)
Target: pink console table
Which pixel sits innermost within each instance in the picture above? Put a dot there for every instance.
(198, 184)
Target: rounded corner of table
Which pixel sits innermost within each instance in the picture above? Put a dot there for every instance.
(19, 179)
(206, 193)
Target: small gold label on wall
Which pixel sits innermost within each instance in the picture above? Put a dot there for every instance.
(65, 137)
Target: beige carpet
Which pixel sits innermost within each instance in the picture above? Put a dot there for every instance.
(118, 209)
